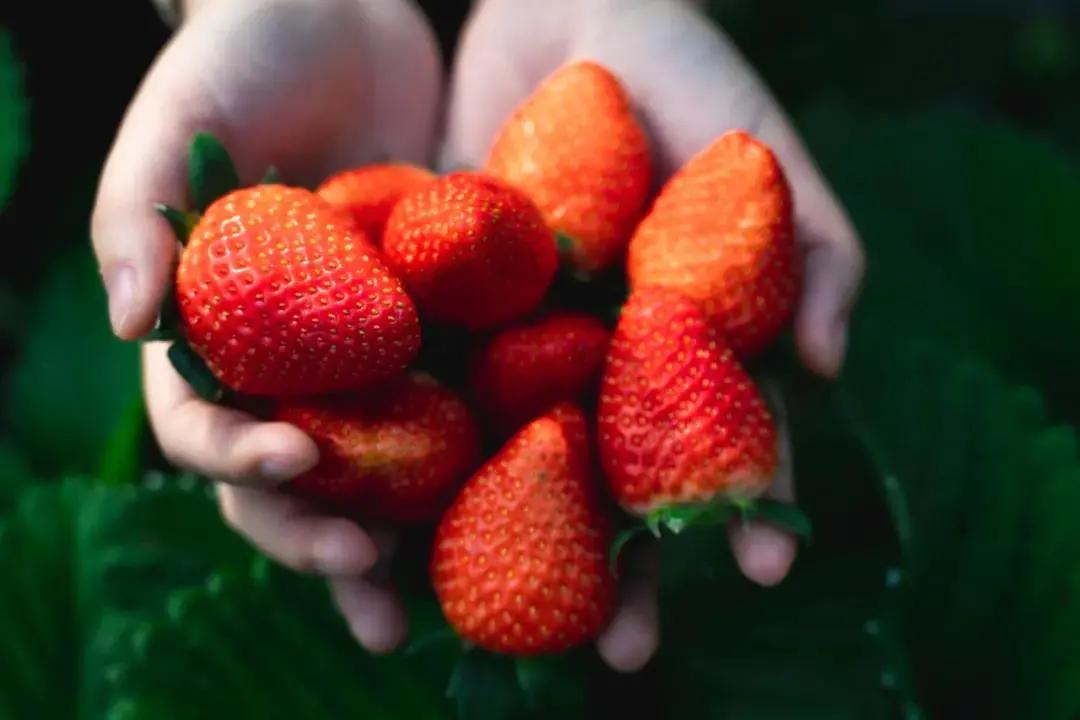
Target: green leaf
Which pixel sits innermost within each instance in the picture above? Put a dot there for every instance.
(84, 567)
(553, 686)
(15, 475)
(73, 380)
(953, 449)
(182, 223)
(267, 644)
(971, 232)
(14, 117)
(986, 489)
(121, 460)
(484, 686)
(39, 629)
(800, 650)
(195, 371)
(212, 173)
(982, 216)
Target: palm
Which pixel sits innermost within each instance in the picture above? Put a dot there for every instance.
(690, 84)
(303, 87)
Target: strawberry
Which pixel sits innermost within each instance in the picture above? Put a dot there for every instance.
(721, 232)
(280, 297)
(394, 454)
(520, 558)
(575, 147)
(526, 369)
(679, 421)
(369, 193)
(472, 251)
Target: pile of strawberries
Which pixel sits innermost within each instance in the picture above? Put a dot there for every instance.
(322, 301)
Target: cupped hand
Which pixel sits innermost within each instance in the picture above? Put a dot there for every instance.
(310, 86)
(313, 86)
(690, 84)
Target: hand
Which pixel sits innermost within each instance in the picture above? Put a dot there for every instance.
(311, 86)
(690, 84)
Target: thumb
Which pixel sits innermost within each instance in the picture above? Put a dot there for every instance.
(135, 247)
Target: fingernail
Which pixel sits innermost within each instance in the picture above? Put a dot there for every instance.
(278, 469)
(336, 553)
(120, 285)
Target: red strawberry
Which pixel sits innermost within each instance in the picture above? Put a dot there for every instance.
(520, 558)
(393, 454)
(369, 193)
(281, 298)
(721, 233)
(471, 250)
(679, 420)
(577, 150)
(526, 369)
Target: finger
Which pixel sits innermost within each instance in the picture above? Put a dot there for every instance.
(632, 637)
(295, 534)
(834, 262)
(490, 77)
(833, 273)
(386, 540)
(146, 165)
(215, 441)
(685, 108)
(373, 611)
(763, 551)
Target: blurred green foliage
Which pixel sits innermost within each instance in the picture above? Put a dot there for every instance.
(14, 117)
(942, 473)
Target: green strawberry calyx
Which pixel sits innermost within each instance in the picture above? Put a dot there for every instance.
(211, 175)
(490, 686)
(676, 518)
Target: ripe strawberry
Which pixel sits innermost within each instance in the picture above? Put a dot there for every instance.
(369, 193)
(520, 558)
(721, 233)
(395, 453)
(472, 250)
(679, 420)
(577, 150)
(524, 370)
(279, 297)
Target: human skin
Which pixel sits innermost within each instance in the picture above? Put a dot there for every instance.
(314, 86)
